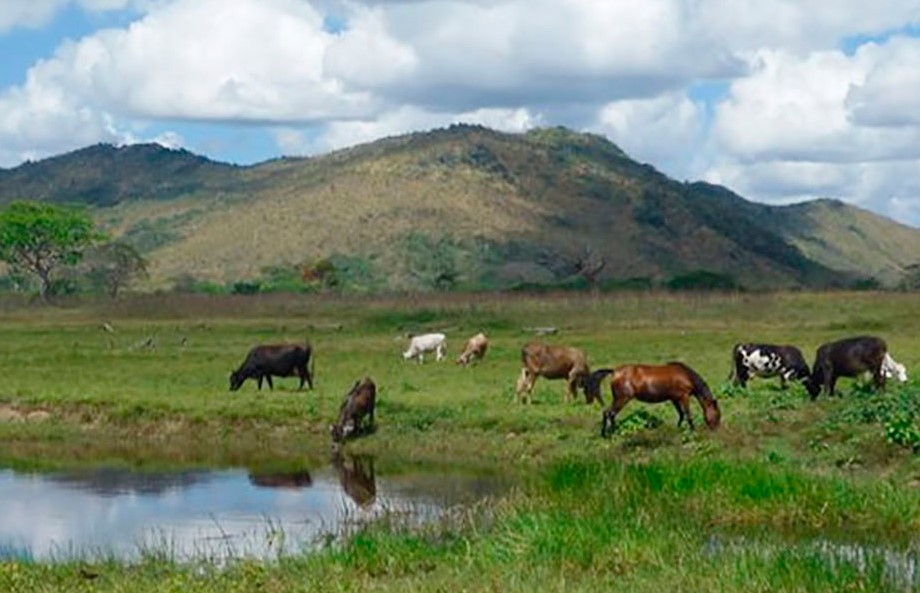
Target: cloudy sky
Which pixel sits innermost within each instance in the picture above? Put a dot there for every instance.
(781, 100)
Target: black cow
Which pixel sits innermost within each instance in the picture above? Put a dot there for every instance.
(768, 360)
(847, 358)
(357, 407)
(279, 360)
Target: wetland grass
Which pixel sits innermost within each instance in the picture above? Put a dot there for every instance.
(637, 512)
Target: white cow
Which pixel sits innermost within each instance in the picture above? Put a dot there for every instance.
(421, 344)
(893, 369)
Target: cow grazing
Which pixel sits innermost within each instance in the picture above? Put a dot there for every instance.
(357, 411)
(552, 362)
(847, 358)
(768, 360)
(423, 343)
(278, 360)
(893, 369)
(475, 349)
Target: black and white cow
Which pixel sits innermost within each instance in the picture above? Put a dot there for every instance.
(768, 360)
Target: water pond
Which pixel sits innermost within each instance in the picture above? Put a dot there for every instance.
(215, 514)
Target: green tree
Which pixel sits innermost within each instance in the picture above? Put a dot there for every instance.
(40, 238)
(114, 265)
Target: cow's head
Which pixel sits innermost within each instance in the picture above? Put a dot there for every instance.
(340, 431)
(236, 380)
(813, 385)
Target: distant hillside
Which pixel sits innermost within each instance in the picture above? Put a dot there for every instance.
(463, 206)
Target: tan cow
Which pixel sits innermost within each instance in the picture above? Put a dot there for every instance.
(551, 362)
(475, 349)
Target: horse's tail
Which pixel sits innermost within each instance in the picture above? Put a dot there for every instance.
(703, 395)
(593, 384)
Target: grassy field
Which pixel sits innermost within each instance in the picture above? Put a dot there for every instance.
(777, 499)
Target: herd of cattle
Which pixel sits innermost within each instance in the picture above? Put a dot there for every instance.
(674, 381)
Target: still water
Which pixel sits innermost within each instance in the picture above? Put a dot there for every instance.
(204, 514)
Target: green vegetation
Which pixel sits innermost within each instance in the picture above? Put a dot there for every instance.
(40, 239)
(507, 198)
(788, 495)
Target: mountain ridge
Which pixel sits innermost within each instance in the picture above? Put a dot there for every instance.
(493, 209)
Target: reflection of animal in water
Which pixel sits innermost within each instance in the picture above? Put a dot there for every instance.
(674, 382)
(299, 479)
(356, 474)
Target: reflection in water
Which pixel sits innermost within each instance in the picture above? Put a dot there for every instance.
(292, 480)
(356, 475)
(900, 569)
(208, 514)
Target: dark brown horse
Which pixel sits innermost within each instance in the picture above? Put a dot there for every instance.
(674, 382)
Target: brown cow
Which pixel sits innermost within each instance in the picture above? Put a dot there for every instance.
(357, 409)
(475, 349)
(552, 362)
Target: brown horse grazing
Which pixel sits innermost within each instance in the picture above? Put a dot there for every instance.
(674, 382)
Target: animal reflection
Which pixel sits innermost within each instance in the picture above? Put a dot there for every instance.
(674, 382)
(292, 480)
(356, 475)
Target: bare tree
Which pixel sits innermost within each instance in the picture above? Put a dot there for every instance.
(586, 263)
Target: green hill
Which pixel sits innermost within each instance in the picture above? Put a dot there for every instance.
(463, 206)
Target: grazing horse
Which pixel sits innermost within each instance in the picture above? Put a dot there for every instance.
(674, 382)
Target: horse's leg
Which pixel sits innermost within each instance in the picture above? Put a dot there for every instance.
(680, 412)
(610, 415)
(685, 404)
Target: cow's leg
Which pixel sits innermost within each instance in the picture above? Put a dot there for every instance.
(439, 353)
(302, 373)
(782, 381)
(741, 376)
(878, 379)
(830, 382)
(269, 379)
(260, 382)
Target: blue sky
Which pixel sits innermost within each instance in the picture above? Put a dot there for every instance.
(781, 100)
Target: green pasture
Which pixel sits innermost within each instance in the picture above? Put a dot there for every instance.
(771, 501)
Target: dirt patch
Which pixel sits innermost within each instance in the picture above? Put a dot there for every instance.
(9, 413)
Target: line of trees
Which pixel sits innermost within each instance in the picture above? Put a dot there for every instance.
(41, 243)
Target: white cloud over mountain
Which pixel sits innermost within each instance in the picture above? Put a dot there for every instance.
(818, 97)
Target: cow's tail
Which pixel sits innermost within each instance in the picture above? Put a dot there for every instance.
(702, 393)
(733, 373)
(312, 368)
(592, 383)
